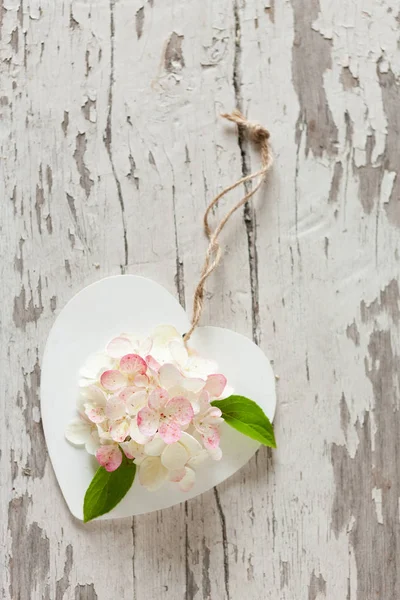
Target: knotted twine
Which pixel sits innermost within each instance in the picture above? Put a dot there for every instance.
(259, 136)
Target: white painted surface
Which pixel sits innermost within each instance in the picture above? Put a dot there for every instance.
(109, 129)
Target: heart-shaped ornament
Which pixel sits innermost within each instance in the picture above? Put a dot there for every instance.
(87, 323)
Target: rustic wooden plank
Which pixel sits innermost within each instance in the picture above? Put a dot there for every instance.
(111, 147)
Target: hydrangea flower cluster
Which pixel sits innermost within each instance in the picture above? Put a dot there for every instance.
(150, 399)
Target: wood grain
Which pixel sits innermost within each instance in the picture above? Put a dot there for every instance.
(111, 147)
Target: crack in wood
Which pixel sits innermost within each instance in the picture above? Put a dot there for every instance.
(108, 135)
(249, 213)
(224, 541)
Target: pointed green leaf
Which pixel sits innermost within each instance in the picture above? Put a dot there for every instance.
(247, 417)
(106, 489)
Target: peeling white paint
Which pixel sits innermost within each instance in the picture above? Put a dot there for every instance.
(377, 498)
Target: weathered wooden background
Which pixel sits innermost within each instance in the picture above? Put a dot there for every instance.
(111, 146)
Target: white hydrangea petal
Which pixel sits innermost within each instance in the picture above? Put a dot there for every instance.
(169, 376)
(145, 346)
(188, 481)
(78, 431)
(193, 384)
(115, 408)
(200, 367)
(132, 450)
(162, 335)
(104, 434)
(94, 394)
(136, 402)
(155, 447)
(174, 456)
(178, 390)
(198, 459)
(178, 352)
(119, 346)
(215, 453)
(93, 443)
(95, 364)
(195, 405)
(152, 473)
(191, 444)
(80, 404)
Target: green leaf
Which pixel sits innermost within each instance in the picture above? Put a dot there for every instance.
(247, 417)
(106, 489)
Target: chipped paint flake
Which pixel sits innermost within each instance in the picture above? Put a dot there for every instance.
(173, 57)
(377, 498)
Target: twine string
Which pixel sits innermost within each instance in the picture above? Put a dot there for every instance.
(260, 137)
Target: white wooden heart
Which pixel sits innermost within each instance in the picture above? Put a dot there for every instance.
(130, 303)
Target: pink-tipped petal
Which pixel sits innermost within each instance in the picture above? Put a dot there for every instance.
(115, 408)
(170, 432)
(95, 414)
(177, 475)
(215, 385)
(213, 416)
(180, 410)
(210, 436)
(136, 435)
(148, 421)
(119, 430)
(152, 363)
(141, 381)
(133, 364)
(127, 392)
(158, 398)
(132, 450)
(112, 380)
(204, 402)
(118, 347)
(188, 481)
(109, 457)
